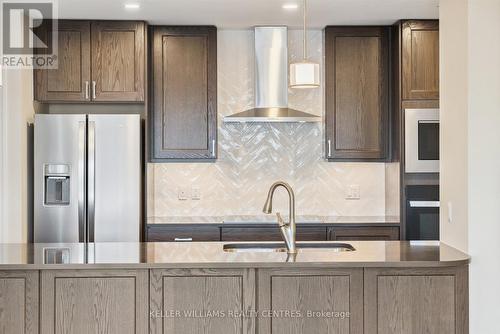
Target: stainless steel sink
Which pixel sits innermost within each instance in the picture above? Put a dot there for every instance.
(280, 247)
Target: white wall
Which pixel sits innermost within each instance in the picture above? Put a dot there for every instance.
(484, 164)
(17, 112)
(470, 53)
(453, 113)
(2, 142)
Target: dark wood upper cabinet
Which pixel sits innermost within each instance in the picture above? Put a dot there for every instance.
(118, 60)
(183, 110)
(98, 61)
(71, 80)
(357, 93)
(420, 60)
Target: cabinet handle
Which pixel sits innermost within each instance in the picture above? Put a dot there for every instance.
(93, 89)
(213, 148)
(329, 148)
(424, 204)
(183, 239)
(87, 93)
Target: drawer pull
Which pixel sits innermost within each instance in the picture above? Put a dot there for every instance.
(183, 239)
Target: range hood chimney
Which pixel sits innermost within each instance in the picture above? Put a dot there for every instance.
(271, 81)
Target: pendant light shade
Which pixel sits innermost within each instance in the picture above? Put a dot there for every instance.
(305, 73)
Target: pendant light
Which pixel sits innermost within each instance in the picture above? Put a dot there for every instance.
(305, 73)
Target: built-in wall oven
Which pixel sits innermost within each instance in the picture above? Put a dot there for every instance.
(422, 140)
(422, 212)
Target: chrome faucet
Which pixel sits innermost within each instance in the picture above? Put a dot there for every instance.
(288, 230)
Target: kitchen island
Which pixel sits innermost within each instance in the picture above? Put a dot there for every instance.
(380, 287)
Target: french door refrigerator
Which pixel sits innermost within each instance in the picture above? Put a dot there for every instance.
(87, 178)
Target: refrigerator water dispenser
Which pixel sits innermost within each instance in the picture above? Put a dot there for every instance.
(57, 185)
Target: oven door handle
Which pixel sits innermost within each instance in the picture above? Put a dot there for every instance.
(424, 204)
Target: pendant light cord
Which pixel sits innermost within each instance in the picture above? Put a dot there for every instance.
(305, 36)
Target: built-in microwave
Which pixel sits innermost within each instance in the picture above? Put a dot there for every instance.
(422, 140)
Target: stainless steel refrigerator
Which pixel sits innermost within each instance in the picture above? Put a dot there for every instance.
(87, 178)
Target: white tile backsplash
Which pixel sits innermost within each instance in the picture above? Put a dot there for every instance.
(253, 156)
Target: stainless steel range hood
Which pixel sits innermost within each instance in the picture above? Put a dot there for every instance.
(271, 81)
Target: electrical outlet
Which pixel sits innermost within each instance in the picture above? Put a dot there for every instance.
(182, 194)
(195, 193)
(353, 192)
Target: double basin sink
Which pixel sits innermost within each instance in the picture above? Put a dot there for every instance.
(280, 247)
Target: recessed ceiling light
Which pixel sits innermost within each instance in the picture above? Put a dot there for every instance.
(290, 6)
(132, 6)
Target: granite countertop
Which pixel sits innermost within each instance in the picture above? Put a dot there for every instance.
(264, 219)
(212, 255)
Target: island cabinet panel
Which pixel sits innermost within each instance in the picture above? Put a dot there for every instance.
(420, 60)
(363, 233)
(118, 61)
(186, 301)
(184, 88)
(414, 301)
(71, 80)
(18, 302)
(357, 93)
(94, 301)
(316, 301)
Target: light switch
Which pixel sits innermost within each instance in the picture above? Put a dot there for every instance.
(353, 192)
(195, 193)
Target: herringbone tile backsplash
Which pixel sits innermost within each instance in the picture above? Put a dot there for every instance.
(252, 156)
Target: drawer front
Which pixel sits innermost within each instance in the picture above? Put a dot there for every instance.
(183, 233)
(363, 233)
(271, 234)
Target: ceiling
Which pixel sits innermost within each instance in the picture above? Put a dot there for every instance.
(237, 14)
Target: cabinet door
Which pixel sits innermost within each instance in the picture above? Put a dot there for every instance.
(271, 233)
(184, 106)
(363, 233)
(414, 301)
(357, 93)
(420, 55)
(18, 302)
(94, 301)
(218, 296)
(70, 81)
(318, 301)
(202, 232)
(118, 61)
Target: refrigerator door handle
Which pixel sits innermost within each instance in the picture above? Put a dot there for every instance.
(82, 233)
(91, 182)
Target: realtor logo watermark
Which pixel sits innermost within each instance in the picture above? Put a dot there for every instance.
(29, 34)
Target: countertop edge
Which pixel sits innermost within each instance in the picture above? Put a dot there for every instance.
(222, 265)
(273, 224)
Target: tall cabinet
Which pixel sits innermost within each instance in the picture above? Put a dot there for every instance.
(416, 86)
(357, 93)
(183, 101)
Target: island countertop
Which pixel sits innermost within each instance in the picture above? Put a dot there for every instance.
(212, 255)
